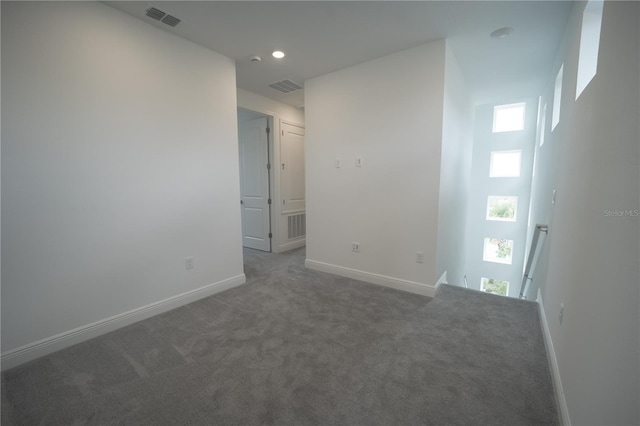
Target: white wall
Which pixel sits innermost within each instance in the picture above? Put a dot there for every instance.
(280, 113)
(455, 168)
(119, 159)
(245, 115)
(591, 260)
(251, 101)
(389, 111)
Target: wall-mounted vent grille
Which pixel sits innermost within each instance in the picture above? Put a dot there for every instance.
(158, 15)
(297, 225)
(286, 86)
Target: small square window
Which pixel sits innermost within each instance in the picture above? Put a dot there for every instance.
(498, 250)
(493, 286)
(508, 118)
(505, 164)
(503, 208)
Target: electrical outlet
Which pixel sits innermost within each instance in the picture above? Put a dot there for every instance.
(188, 263)
(419, 257)
(355, 247)
(561, 316)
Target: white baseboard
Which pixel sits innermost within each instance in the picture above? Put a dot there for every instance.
(442, 280)
(31, 351)
(291, 245)
(398, 284)
(561, 402)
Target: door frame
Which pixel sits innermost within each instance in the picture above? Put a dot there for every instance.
(283, 243)
(275, 124)
(273, 191)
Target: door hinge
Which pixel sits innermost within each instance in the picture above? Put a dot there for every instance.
(270, 235)
(269, 201)
(268, 130)
(268, 166)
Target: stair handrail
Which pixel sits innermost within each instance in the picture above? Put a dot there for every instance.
(532, 254)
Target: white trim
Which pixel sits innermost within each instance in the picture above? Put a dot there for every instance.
(442, 280)
(291, 245)
(292, 123)
(31, 351)
(398, 284)
(561, 401)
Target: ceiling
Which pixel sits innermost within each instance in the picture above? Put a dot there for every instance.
(319, 37)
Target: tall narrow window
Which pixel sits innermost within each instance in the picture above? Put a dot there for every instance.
(505, 164)
(543, 123)
(589, 44)
(557, 99)
(508, 118)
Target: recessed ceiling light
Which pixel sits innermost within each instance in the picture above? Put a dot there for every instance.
(503, 32)
(278, 54)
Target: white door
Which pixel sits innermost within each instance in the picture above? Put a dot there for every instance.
(292, 168)
(254, 183)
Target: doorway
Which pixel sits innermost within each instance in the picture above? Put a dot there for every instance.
(254, 133)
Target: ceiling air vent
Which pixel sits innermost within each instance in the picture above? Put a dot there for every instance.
(154, 13)
(158, 15)
(285, 86)
(172, 21)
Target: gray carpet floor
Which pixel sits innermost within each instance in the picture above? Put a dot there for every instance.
(297, 347)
